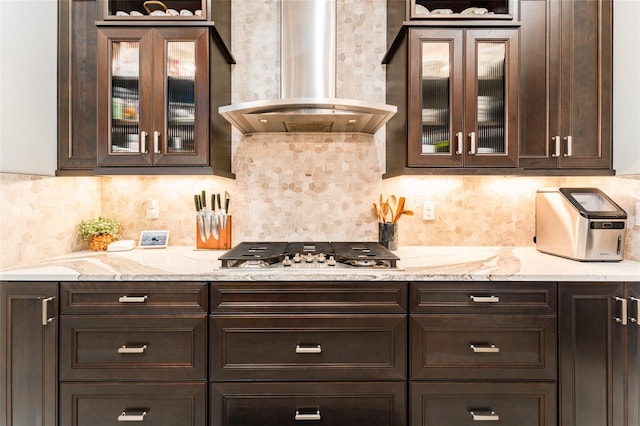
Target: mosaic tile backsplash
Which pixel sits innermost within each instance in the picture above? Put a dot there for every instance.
(293, 187)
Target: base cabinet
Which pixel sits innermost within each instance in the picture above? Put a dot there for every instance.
(460, 404)
(328, 403)
(110, 404)
(599, 354)
(28, 346)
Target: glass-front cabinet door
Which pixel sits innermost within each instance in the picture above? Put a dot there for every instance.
(153, 104)
(463, 98)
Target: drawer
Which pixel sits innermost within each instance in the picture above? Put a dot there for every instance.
(134, 298)
(289, 404)
(133, 348)
(308, 347)
(484, 297)
(484, 347)
(112, 404)
(309, 297)
(504, 404)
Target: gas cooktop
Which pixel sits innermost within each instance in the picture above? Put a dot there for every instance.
(309, 255)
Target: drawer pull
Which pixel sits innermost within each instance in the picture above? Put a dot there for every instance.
(484, 416)
(46, 319)
(307, 414)
(484, 299)
(132, 350)
(623, 308)
(484, 348)
(637, 317)
(308, 349)
(133, 299)
(135, 417)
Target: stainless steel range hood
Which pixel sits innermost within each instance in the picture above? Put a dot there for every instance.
(308, 81)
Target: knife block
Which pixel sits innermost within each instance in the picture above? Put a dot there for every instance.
(223, 242)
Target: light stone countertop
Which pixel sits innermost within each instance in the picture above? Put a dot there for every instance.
(417, 263)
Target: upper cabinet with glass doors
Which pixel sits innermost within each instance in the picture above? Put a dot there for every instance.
(462, 103)
(153, 97)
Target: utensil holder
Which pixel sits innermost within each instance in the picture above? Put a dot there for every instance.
(223, 242)
(388, 235)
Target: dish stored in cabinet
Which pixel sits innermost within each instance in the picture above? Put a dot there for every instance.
(580, 224)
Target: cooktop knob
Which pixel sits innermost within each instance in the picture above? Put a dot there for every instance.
(286, 261)
(297, 258)
(309, 258)
(331, 261)
(320, 258)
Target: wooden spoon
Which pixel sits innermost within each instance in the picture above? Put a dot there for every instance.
(399, 209)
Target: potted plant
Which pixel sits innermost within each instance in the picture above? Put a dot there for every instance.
(99, 231)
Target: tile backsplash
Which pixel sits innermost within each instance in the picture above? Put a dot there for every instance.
(293, 186)
(289, 191)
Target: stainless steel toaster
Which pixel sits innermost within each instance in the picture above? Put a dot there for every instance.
(579, 223)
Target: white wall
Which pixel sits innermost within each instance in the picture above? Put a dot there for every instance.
(28, 86)
(626, 87)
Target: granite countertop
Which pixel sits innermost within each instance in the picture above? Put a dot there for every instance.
(417, 263)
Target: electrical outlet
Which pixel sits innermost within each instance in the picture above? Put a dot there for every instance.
(428, 210)
(153, 209)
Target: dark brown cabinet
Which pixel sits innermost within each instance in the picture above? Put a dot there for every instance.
(139, 94)
(483, 352)
(28, 353)
(599, 354)
(461, 100)
(153, 105)
(566, 85)
(132, 352)
(334, 352)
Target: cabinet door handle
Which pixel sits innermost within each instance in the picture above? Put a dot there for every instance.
(138, 416)
(472, 135)
(484, 299)
(460, 143)
(132, 299)
(143, 143)
(308, 349)
(132, 350)
(484, 416)
(623, 310)
(156, 142)
(636, 319)
(46, 319)
(557, 146)
(484, 348)
(569, 140)
(306, 414)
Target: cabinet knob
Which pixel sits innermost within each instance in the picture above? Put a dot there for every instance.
(124, 349)
(472, 135)
(156, 142)
(143, 142)
(46, 319)
(569, 140)
(484, 299)
(556, 146)
(635, 319)
(132, 299)
(460, 143)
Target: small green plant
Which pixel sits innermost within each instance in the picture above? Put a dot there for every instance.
(100, 225)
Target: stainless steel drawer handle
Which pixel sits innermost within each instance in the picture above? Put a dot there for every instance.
(303, 414)
(134, 417)
(46, 319)
(484, 416)
(636, 319)
(132, 350)
(623, 311)
(484, 299)
(308, 349)
(484, 348)
(133, 299)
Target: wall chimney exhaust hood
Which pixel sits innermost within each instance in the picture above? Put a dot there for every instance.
(308, 81)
